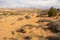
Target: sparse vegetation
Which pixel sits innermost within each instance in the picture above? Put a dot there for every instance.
(20, 28)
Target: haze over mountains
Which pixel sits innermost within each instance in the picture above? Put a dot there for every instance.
(29, 3)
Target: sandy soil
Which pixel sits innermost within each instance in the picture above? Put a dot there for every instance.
(9, 24)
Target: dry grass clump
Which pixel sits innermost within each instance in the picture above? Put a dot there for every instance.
(30, 25)
(56, 37)
(12, 39)
(27, 38)
(42, 38)
(27, 17)
(54, 26)
(12, 23)
(11, 13)
(40, 26)
(21, 30)
(5, 38)
(38, 16)
(12, 32)
(19, 19)
(44, 20)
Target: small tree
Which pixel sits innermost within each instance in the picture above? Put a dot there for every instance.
(52, 12)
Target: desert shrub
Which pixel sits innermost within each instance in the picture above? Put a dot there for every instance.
(12, 23)
(5, 14)
(41, 26)
(30, 26)
(39, 21)
(21, 30)
(19, 19)
(51, 38)
(42, 38)
(52, 12)
(27, 17)
(54, 26)
(12, 32)
(12, 38)
(38, 16)
(27, 38)
(44, 20)
(5, 38)
(56, 37)
(11, 13)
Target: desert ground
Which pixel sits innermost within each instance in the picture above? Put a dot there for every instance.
(24, 24)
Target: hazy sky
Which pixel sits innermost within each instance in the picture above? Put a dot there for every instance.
(29, 3)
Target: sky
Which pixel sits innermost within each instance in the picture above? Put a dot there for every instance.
(29, 3)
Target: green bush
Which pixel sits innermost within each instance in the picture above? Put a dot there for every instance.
(52, 12)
